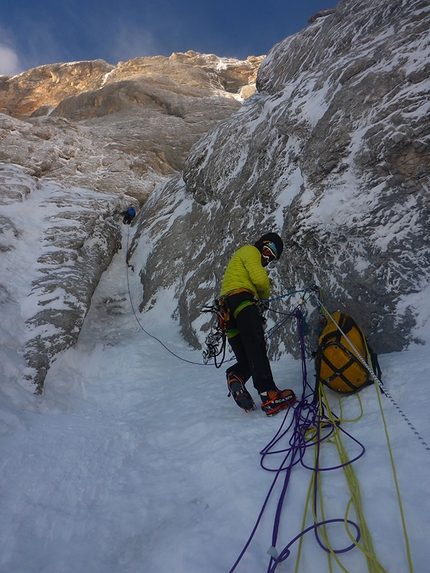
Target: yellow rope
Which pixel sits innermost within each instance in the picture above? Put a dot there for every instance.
(365, 545)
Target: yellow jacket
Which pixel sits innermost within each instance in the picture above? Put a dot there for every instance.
(246, 271)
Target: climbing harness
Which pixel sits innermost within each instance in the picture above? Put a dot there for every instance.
(215, 342)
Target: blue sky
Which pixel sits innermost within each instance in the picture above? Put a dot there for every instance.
(49, 31)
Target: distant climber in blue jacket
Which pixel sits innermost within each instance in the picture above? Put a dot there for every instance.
(129, 215)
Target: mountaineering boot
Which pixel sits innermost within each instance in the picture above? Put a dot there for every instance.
(274, 401)
(236, 388)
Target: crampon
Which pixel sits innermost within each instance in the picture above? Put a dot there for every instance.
(236, 388)
(274, 401)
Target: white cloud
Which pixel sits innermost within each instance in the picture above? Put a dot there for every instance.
(9, 61)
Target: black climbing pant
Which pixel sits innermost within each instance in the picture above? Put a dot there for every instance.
(249, 346)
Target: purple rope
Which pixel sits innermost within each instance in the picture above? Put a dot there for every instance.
(324, 438)
(286, 551)
(297, 442)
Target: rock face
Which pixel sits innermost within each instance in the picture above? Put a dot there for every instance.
(79, 143)
(124, 127)
(332, 152)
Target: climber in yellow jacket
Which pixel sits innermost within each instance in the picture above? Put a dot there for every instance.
(245, 284)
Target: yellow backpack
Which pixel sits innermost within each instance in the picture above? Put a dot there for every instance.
(336, 362)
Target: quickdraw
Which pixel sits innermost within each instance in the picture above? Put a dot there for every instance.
(215, 343)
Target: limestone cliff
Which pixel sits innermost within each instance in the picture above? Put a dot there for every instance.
(121, 128)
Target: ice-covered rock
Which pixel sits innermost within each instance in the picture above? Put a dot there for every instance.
(55, 243)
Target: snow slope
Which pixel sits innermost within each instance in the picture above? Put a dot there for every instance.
(134, 460)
